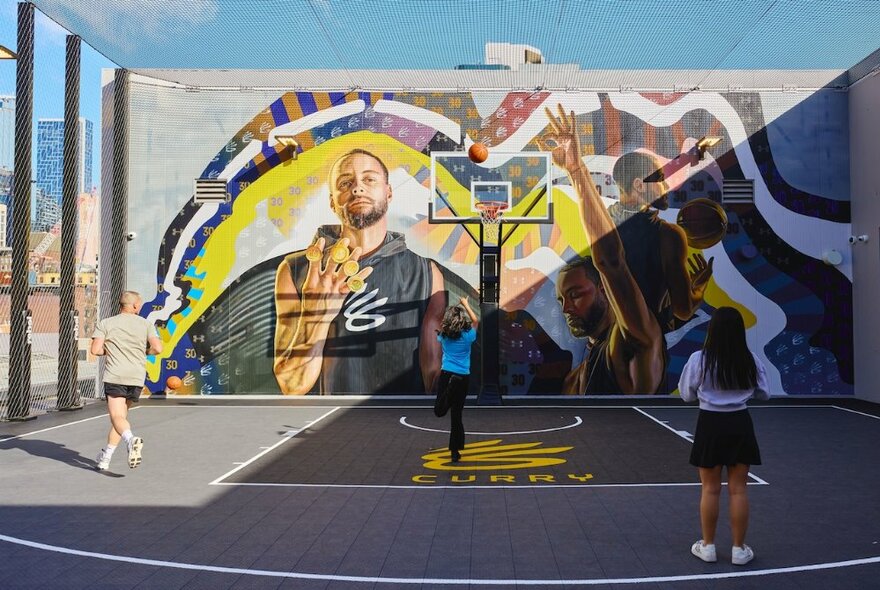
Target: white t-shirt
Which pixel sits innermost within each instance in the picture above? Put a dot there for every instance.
(692, 386)
(125, 344)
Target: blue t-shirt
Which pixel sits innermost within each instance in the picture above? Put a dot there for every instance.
(457, 352)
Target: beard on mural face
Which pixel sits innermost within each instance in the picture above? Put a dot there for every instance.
(581, 327)
(363, 217)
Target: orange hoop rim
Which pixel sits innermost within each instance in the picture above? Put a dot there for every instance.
(491, 211)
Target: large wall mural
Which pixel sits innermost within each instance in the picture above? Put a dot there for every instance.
(235, 290)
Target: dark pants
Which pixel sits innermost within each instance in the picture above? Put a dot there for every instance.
(456, 387)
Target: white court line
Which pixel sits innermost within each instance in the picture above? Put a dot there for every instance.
(464, 486)
(59, 426)
(201, 402)
(287, 436)
(577, 422)
(440, 581)
(690, 439)
(857, 412)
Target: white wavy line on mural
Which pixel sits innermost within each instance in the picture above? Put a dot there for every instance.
(238, 162)
(172, 302)
(771, 317)
(674, 337)
(316, 119)
(808, 235)
(537, 120)
(443, 124)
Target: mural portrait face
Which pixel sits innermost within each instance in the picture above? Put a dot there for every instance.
(359, 190)
(583, 303)
(642, 181)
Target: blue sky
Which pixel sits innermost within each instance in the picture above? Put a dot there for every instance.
(49, 57)
(439, 34)
(432, 34)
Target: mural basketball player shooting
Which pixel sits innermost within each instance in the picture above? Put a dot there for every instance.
(600, 298)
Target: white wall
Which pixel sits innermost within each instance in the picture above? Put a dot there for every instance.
(864, 129)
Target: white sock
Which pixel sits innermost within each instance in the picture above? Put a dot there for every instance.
(127, 436)
(108, 450)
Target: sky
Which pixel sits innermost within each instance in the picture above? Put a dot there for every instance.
(435, 34)
(49, 58)
(439, 34)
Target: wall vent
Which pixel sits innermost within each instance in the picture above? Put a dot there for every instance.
(735, 191)
(210, 190)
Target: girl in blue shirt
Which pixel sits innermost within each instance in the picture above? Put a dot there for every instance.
(458, 331)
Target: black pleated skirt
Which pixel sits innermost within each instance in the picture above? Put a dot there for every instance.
(725, 438)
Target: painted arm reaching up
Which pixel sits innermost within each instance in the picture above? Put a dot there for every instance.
(635, 339)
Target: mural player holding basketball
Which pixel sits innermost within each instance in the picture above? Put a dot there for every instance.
(357, 312)
(599, 295)
(656, 251)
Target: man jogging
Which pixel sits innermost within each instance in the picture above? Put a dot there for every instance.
(125, 339)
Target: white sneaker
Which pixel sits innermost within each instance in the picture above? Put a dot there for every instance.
(103, 461)
(134, 451)
(741, 555)
(704, 552)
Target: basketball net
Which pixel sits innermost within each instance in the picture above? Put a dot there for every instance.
(491, 213)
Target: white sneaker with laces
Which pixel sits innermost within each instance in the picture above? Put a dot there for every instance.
(705, 552)
(103, 461)
(135, 447)
(741, 555)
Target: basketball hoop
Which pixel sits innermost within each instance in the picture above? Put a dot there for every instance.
(491, 213)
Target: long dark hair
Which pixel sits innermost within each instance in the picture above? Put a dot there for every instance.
(726, 356)
(455, 321)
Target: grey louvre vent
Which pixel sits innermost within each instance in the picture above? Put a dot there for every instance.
(210, 190)
(737, 191)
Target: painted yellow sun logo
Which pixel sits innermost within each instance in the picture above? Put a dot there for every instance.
(493, 455)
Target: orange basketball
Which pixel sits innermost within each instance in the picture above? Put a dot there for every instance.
(478, 152)
(704, 223)
(173, 382)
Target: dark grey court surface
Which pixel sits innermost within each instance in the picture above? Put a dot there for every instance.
(291, 495)
(506, 447)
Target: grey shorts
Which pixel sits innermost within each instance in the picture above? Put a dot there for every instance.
(132, 392)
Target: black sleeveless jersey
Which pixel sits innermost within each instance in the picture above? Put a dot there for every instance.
(373, 344)
(640, 234)
(595, 375)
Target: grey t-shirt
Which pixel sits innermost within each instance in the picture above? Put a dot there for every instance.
(125, 343)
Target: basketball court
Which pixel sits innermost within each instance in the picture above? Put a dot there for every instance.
(294, 196)
(361, 493)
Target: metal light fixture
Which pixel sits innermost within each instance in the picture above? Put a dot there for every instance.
(6, 53)
(290, 143)
(705, 143)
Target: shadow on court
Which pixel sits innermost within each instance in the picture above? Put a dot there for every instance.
(50, 450)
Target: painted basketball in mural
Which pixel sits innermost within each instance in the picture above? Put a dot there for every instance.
(704, 223)
(478, 152)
